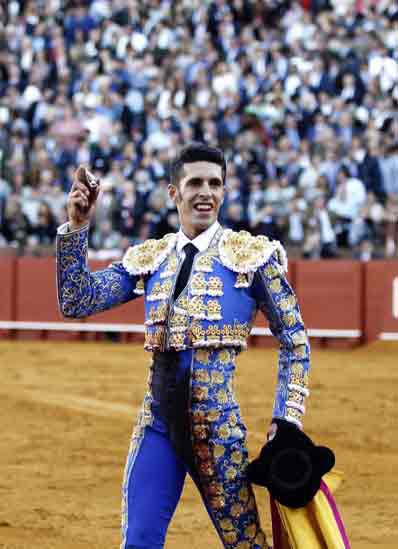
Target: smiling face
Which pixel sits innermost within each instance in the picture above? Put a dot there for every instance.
(198, 196)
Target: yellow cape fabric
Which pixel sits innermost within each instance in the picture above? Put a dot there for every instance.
(312, 526)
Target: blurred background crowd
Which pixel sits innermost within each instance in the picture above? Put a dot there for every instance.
(303, 98)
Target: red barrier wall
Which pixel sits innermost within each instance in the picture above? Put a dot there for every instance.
(36, 291)
(333, 295)
(7, 289)
(36, 297)
(381, 313)
(330, 294)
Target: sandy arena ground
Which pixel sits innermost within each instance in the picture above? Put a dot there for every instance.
(67, 411)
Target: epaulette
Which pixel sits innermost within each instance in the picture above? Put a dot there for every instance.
(146, 258)
(244, 253)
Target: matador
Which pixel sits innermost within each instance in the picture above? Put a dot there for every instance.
(202, 288)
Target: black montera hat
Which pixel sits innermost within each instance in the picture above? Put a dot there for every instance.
(291, 466)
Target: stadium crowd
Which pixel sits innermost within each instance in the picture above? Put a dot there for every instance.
(302, 97)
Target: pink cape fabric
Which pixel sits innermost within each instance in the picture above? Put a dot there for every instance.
(337, 516)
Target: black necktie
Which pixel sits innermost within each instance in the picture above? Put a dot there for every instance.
(190, 252)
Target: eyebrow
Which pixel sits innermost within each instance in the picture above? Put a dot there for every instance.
(198, 178)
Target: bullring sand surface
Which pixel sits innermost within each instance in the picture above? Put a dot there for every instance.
(67, 411)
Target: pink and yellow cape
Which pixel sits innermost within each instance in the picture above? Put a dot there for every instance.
(318, 525)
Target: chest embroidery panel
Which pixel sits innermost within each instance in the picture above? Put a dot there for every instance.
(213, 311)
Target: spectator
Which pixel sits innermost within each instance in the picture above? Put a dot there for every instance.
(312, 245)
(391, 218)
(292, 95)
(156, 216)
(16, 228)
(368, 224)
(370, 170)
(105, 239)
(234, 217)
(265, 215)
(44, 230)
(327, 237)
(346, 204)
(366, 251)
(389, 169)
(296, 223)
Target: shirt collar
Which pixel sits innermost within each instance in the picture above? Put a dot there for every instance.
(202, 241)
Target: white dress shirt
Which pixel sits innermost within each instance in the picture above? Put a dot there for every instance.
(202, 241)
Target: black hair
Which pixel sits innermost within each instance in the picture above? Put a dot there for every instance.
(196, 152)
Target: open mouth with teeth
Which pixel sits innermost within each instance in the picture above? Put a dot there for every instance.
(203, 207)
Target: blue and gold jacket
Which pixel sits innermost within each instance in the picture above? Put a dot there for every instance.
(237, 276)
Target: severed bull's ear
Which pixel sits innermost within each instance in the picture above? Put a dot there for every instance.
(88, 178)
(90, 181)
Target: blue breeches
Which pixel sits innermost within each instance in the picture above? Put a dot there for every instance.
(154, 488)
(188, 426)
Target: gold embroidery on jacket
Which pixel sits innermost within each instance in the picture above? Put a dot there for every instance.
(242, 281)
(201, 355)
(171, 266)
(147, 257)
(198, 284)
(204, 264)
(179, 322)
(160, 290)
(243, 253)
(140, 287)
(154, 338)
(157, 315)
(213, 310)
(215, 286)
(176, 340)
(197, 308)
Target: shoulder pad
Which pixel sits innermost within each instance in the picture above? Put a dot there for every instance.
(147, 257)
(243, 253)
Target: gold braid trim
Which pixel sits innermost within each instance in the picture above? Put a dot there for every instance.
(243, 253)
(147, 257)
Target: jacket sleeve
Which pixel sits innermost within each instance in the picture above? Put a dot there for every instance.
(82, 293)
(277, 301)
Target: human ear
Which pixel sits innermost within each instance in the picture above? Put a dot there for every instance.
(173, 192)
